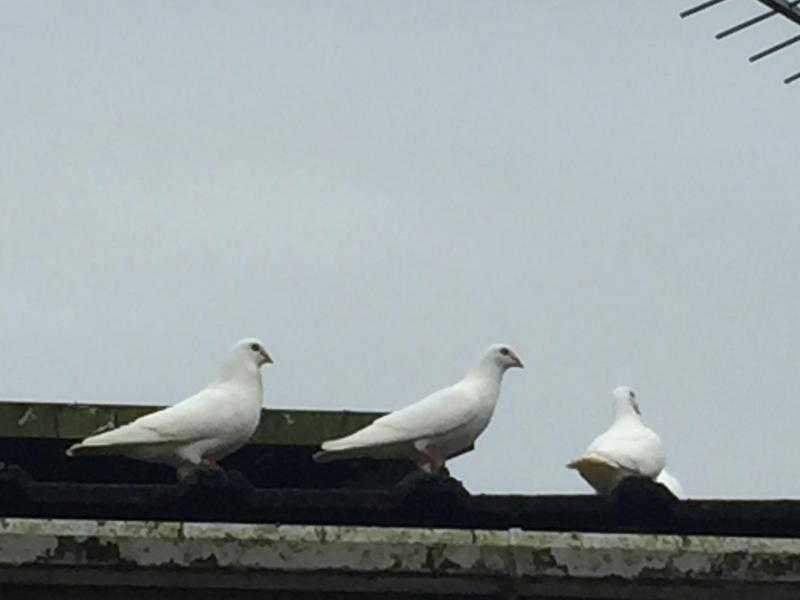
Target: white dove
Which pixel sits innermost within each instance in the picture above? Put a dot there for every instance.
(669, 481)
(628, 448)
(437, 427)
(203, 428)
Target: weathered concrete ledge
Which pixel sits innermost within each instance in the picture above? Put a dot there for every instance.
(400, 560)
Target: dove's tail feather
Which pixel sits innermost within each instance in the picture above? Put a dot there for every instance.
(599, 471)
(366, 443)
(138, 450)
(590, 460)
(376, 435)
(323, 456)
(327, 455)
(391, 451)
(94, 450)
(82, 450)
(347, 443)
(671, 483)
(127, 439)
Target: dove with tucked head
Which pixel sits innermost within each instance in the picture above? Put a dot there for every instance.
(437, 427)
(628, 448)
(200, 430)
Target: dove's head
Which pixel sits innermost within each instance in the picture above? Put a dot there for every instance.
(251, 351)
(503, 356)
(625, 399)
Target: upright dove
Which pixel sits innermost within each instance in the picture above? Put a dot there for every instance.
(437, 427)
(628, 448)
(200, 430)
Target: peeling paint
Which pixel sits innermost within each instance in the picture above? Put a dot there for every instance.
(107, 426)
(23, 550)
(28, 415)
(514, 554)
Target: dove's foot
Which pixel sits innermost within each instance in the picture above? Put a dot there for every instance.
(639, 499)
(421, 482)
(214, 476)
(212, 464)
(237, 480)
(431, 496)
(205, 476)
(430, 460)
(422, 478)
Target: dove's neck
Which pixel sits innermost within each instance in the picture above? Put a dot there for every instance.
(241, 374)
(488, 375)
(624, 411)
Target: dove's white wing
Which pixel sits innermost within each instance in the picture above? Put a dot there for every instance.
(634, 448)
(197, 417)
(669, 481)
(438, 414)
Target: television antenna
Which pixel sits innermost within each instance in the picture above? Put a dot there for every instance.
(785, 8)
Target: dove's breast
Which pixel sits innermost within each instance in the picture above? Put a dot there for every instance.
(236, 422)
(458, 441)
(462, 437)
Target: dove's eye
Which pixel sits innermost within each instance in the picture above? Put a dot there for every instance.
(504, 351)
(254, 347)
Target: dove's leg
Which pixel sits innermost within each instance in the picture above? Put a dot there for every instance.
(185, 470)
(431, 460)
(212, 464)
(189, 460)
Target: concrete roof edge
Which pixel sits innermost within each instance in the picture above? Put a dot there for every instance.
(394, 551)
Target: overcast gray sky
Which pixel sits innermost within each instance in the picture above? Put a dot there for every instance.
(379, 190)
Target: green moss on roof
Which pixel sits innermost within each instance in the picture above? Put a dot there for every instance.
(76, 421)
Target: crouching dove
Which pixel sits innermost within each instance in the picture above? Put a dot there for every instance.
(437, 427)
(628, 448)
(200, 430)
